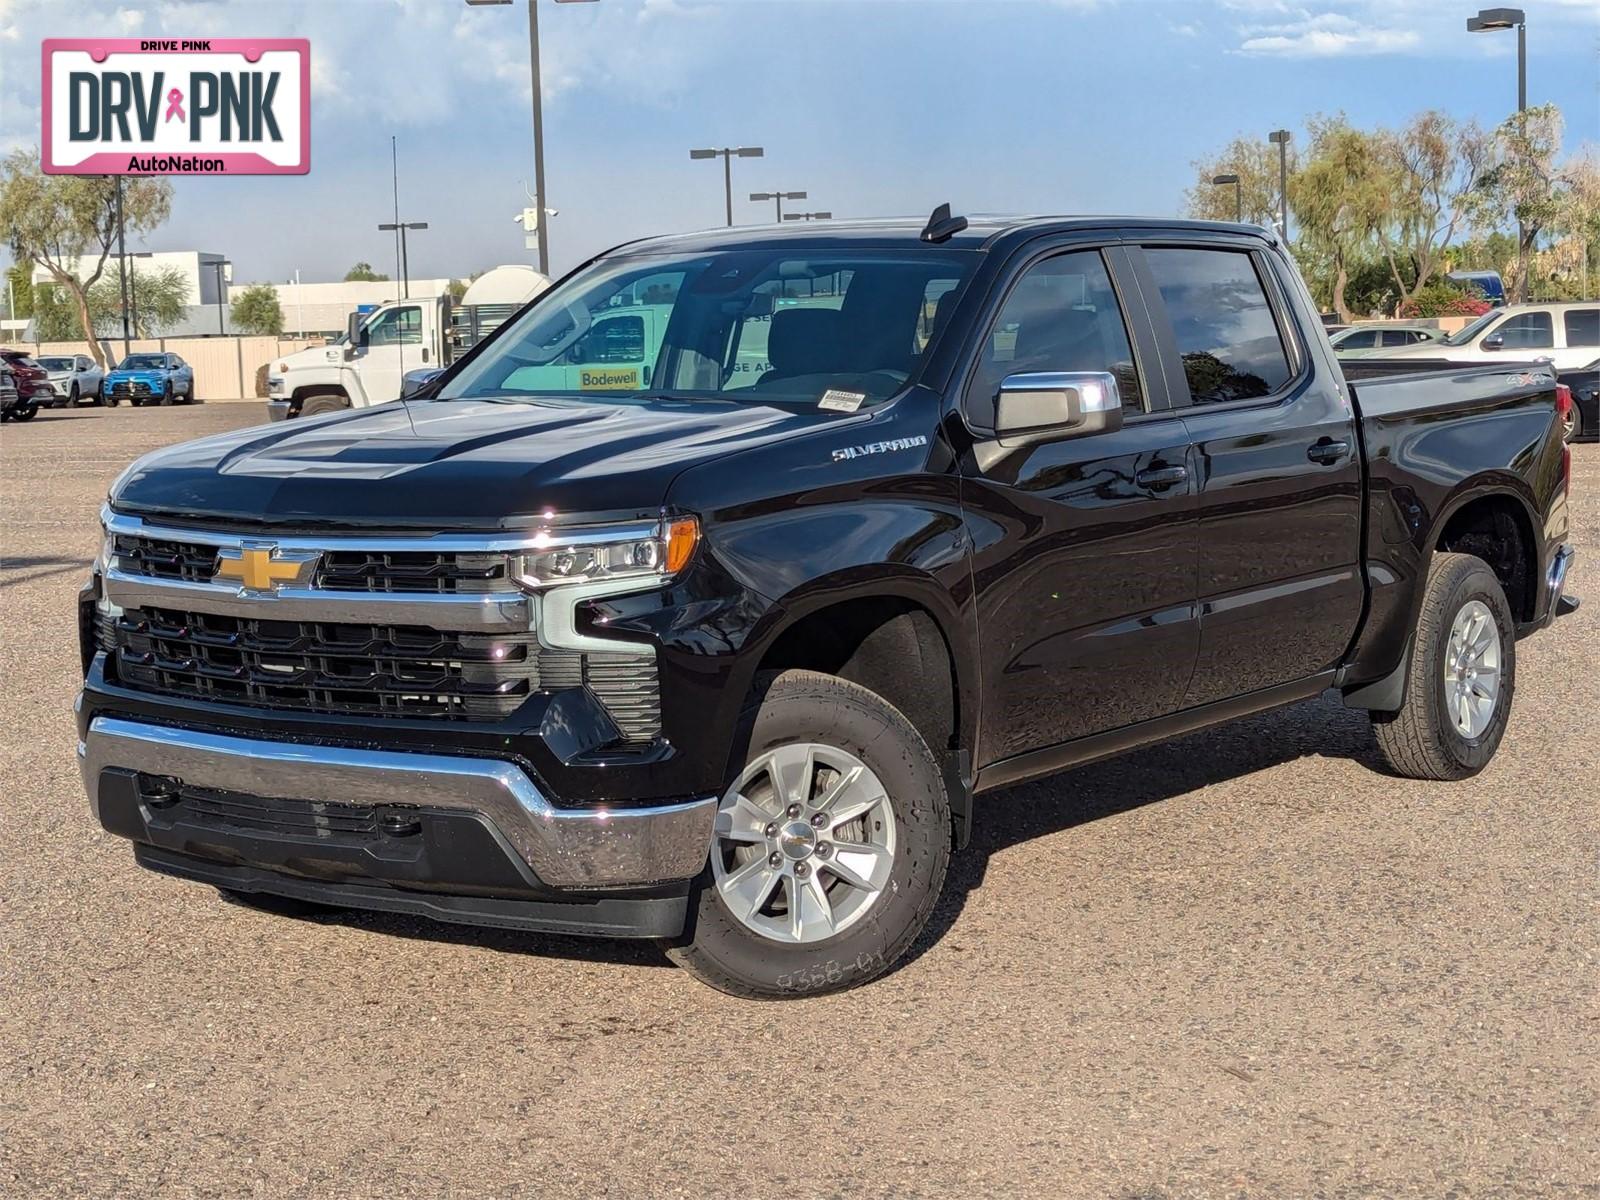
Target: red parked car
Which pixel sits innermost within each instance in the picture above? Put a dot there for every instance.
(33, 385)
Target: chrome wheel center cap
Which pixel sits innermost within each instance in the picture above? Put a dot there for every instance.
(797, 840)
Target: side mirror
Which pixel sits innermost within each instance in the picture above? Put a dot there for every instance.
(416, 381)
(1494, 341)
(1048, 406)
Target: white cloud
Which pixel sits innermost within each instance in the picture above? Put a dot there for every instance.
(1326, 34)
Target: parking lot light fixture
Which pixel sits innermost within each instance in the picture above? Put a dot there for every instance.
(1492, 20)
(808, 216)
(1280, 139)
(728, 154)
(405, 262)
(1238, 193)
(778, 197)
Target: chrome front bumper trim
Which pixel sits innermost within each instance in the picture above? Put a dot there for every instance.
(494, 612)
(277, 409)
(576, 848)
(1559, 566)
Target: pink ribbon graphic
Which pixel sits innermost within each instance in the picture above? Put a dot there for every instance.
(175, 105)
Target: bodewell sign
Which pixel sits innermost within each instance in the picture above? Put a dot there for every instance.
(208, 106)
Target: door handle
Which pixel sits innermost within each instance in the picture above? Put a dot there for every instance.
(1327, 451)
(1158, 478)
(424, 354)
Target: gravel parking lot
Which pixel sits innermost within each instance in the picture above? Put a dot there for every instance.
(1242, 964)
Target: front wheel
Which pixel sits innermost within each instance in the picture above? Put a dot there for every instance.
(166, 396)
(25, 412)
(830, 844)
(1461, 679)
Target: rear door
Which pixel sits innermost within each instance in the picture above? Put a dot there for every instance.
(1084, 548)
(1276, 463)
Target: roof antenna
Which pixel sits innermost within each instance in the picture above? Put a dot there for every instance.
(941, 226)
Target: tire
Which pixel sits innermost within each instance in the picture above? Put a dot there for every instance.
(319, 405)
(817, 725)
(278, 906)
(1426, 739)
(166, 396)
(1572, 427)
(25, 412)
(72, 397)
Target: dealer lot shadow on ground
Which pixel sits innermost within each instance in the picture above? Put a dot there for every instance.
(1004, 818)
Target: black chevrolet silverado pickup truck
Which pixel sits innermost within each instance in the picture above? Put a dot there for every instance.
(719, 646)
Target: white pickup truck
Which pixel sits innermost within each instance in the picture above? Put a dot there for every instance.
(367, 364)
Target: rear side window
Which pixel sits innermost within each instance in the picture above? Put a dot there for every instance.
(1527, 331)
(1583, 326)
(1062, 315)
(1366, 339)
(1227, 335)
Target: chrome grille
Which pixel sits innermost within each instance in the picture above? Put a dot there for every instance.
(369, 670)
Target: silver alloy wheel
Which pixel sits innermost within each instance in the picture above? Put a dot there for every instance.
(1472, 669)
(805, 842)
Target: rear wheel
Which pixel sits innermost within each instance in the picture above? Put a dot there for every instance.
(830, 845)
(1572, 424)
(25, 412)
(1461, 679)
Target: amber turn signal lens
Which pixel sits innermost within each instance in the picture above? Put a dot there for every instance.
(683, 534)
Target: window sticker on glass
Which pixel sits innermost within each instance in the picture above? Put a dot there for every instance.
(836, 401)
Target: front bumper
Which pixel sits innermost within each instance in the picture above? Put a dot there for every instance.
(277, 410)
(586, 848)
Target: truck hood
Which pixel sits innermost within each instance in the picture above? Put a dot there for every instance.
(458, 463)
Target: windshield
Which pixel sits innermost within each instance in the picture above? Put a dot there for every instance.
(56, 364)
(142, 362)
(783, 325)
(1464, 335)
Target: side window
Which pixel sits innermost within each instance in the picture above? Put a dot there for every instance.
(1364, 339)
(1227, 335)
(1583, 326)
(1526, 331)
(612, 340)
(396, 327)
(1062, 315)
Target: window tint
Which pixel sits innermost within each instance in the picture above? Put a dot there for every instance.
(1362, 339)
(1526, 331)
(1227, 335)
(1061, 316)
(1583, 326)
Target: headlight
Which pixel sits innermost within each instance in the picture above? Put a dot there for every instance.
(108, 548)
(618, 552)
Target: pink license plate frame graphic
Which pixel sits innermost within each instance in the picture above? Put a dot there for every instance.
(232, 162)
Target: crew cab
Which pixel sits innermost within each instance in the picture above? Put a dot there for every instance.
(158, 378)
(735, 659)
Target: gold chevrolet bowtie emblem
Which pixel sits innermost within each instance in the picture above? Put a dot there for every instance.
(264, 568)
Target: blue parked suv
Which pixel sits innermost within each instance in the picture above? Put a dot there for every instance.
(151, 379)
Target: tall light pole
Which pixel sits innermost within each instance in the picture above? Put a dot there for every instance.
(400, 227)
(133, 291)
(222, 294)
(778, 197)
(1238, 193)
(543, 202)
(122, 269)
(811, 216)
(1280, 138)
(728, 154)
(1491, 20)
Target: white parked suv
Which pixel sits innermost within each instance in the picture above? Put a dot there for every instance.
(1565, 335)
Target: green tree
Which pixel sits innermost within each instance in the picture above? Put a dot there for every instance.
(1256, 165)
(1339, 195)
(160, 299)
(362, 272)
(1429, 170)
(1526, 185)
(19, 287)
(256, 310)
(68, 223)
(457, 289)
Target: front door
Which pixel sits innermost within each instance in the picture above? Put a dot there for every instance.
(1277, 465)
(1084, 548)
(394, 346)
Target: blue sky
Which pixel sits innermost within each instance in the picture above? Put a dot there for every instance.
(875, 107)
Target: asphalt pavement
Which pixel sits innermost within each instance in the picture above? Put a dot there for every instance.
(1243, 964)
